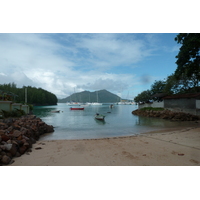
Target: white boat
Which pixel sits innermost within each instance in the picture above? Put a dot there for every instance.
(73, 103)
(96, 104)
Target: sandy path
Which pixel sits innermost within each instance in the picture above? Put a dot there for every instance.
(161, 148)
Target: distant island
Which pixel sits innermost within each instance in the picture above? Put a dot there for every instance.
(101, 96)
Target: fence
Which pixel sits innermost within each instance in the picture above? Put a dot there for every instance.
(10, 106)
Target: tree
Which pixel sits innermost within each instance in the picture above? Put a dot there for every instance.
(158, 87)
(188, 59)
(143, 97)
(172, 85)
(36, 96)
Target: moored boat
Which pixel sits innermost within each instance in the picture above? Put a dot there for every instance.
(99, 116)
(77, 108)
(96, 104)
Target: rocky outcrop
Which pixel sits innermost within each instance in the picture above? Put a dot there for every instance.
(18, 135)
(166, 114)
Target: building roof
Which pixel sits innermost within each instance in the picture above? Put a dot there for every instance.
(159, 95)
(183, 96)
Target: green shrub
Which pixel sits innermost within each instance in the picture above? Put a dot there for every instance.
(13, 113)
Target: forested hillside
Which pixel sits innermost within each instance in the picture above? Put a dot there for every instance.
(35, 96)
(103, 97)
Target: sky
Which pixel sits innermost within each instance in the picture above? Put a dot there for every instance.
(123, 63)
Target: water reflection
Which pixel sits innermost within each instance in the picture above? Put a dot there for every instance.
(157, 122)
(100, 122)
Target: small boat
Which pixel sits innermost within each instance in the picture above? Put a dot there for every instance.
(96, 104)
(99, 116)
(73, 103)
(77, 108)
(55, 111)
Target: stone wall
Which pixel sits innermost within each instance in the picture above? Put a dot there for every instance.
(182, 105)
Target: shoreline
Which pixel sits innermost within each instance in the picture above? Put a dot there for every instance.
(167, 147)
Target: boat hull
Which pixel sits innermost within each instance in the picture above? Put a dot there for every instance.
(76, 108)
(99, 117)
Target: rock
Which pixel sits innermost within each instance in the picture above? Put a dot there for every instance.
(17, 154)
(27, 144)
(3, 125)
(20, 143)
(7, 146)
(4, 138)
(13, 150)
(2, 147)
(22, 149)
(166, 114)
(10, 129)
(1, 132)
(16, 133)
(5, 160)
(23, 130)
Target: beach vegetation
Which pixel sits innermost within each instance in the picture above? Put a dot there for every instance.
(13, 113)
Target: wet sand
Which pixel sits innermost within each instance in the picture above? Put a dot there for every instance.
(169, 147)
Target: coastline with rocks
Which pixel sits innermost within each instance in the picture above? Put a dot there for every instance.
(166, 114)
(17, 135)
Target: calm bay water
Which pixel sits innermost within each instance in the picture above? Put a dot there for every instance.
(80, 124)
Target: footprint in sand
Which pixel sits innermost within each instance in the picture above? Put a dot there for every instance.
(194, 161)
(129, 155)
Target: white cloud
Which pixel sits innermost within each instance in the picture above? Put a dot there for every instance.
(107, 50)
(61, 63)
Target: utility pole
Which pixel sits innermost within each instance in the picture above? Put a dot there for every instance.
(25, 95)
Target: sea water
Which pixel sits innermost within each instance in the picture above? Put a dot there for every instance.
(81, 124)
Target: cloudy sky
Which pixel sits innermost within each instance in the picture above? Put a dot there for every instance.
(125, 64)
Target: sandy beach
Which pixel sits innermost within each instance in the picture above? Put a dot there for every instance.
(169, 147)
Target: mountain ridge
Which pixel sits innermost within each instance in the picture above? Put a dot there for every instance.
(103, 96)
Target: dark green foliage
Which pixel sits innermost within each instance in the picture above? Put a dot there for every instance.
(103, 97)
(144, 97)
(188, 59)
(158, 87)
(35, 96)
(172, 85)
(13, 113)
